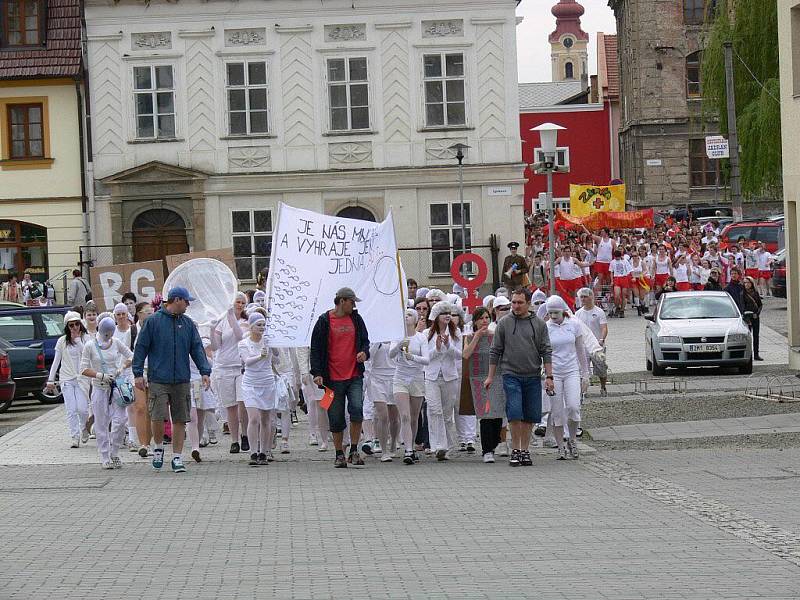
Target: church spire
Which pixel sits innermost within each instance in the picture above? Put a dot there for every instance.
(569, 43)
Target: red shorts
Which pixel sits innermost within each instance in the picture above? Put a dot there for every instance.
(765, 274)
(683, 286)
(751, 273)
(697, 287)
(601, 268)
(622, 282)
(661, 279)
(572, 285)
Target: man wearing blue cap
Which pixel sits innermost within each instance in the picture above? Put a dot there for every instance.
(167, 340)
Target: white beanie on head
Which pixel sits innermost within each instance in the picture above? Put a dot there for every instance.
(556, 303)
(538, 295)
(441, 308)
(422, 292)
(435, 294)
(488, 300)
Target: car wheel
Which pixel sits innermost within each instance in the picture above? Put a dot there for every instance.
(49, 399)
(4, 406)
(658, 370)
(746, 369)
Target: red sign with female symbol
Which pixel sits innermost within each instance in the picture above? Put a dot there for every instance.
(471, 302)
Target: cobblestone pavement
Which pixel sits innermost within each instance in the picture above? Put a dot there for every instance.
(784, 423)
(602, 527)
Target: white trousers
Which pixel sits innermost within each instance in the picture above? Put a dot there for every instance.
(466, 426)
(442, 398)
(76, 406)
(566, 404)
(105, 414)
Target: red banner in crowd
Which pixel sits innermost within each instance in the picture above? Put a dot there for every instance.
(631, 219)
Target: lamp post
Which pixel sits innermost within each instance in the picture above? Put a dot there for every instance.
(548, 135)
(458, 149)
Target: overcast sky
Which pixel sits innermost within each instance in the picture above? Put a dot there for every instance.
(533, 49)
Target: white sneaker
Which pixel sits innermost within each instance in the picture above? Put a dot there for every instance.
(92, 436)
(550, 443)
(312, 440)
(503, 449)
(572, 448)
(386, 457)
(107, 465)
(323, 446)
(488, 457)
(132, 446)
(285, 447)
(115, 460)
(76, 441)
(84, 436)
(376, 447)
(212, 437)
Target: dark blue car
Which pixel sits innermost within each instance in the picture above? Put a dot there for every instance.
(24, 325)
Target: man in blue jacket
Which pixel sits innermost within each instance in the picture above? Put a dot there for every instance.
(167, 340)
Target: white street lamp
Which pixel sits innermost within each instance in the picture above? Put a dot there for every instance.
(548, 136)
(458, 150)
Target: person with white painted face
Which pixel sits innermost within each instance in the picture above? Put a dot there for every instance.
(381, 367)
(103, 361)
(596, 320)
(408, 384)
(74, 386)
(259, 392)
(227, 375)
(442, 380)
(570, 374)
(126, 333)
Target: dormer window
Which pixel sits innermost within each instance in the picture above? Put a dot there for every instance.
(23, 23)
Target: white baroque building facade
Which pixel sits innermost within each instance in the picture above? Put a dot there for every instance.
(206, 114)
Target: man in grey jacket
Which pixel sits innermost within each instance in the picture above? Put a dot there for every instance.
(521, 346)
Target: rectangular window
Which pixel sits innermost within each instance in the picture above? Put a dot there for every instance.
(445, 103)
(704, 171)
(446, 234)
(693, 88)
(154, 96)
(22, 23)
(252, 241)
(695, 12)
(26, 131)
(562, 157)
(247, 98)
(348, 93)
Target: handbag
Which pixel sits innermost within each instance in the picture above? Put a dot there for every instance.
(121, 390)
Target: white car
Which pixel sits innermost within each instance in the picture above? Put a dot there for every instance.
(691, 329)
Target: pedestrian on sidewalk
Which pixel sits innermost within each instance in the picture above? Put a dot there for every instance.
(259, 391)
(595, 319)
(751, 301)
(339, 349)
(521, 345)
(103, 361)
(442, 379)
(167, 340)
(570, 369)
(408, 384)
(490, 405)
(74, 386)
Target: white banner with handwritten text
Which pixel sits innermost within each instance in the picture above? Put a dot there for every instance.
(313, 256)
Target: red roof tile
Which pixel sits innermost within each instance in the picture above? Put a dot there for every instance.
(61, 55)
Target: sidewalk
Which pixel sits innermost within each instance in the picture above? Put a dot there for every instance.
(625, 345)
(783, 423)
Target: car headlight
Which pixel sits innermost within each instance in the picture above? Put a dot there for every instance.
(738, 339)
(669, 339)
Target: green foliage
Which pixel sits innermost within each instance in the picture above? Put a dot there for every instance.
(752, 26)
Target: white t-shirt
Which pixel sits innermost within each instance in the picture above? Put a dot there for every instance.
(604, 251)
(112, 359)
(763, 259)
(681, 273)
(620, 267)
(227, 355)
(566, 341)
(259, 374)
(594, 319)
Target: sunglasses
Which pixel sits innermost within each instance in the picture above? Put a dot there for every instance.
(500, 308)
(74, 324)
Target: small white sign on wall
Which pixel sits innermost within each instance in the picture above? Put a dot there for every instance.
(654, 162)
(499, 190)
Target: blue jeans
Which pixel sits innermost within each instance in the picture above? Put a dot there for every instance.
(523, 398)
(351, 390)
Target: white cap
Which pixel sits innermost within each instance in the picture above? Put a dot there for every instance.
(71, 316)
(501, 301)
(441, 308)
(487, 300)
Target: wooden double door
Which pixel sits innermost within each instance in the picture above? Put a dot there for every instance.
(158, 233)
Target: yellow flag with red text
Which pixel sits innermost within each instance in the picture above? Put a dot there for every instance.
(585, 200)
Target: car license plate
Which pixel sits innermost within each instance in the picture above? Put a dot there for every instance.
(703, 348)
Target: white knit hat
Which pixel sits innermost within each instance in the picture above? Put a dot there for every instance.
(441, 308)
(71, 316)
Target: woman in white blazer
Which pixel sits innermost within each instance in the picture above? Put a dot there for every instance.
(74, 386)
(442, 378)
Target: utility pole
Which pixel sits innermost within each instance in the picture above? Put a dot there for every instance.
(733, 136)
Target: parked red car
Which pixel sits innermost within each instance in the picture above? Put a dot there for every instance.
(769, 232)
(7, 386)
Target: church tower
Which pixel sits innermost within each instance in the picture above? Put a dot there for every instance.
(569, 43)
